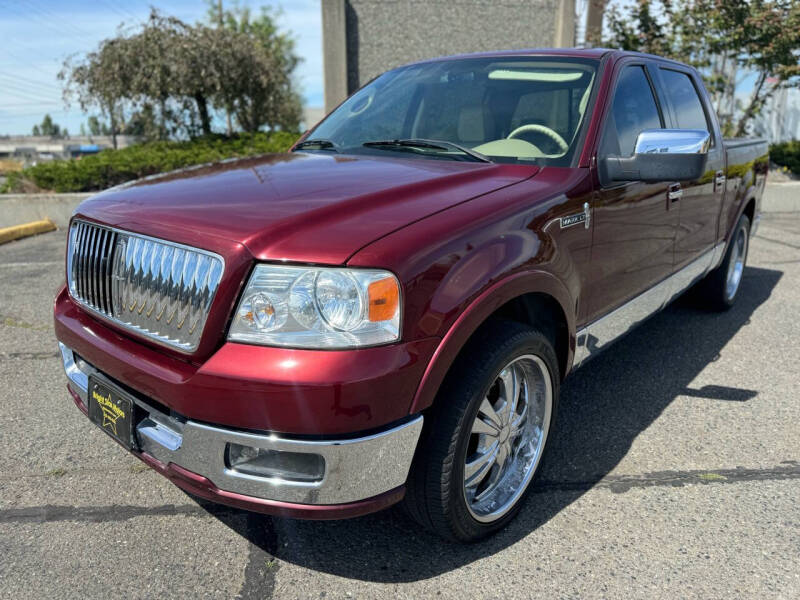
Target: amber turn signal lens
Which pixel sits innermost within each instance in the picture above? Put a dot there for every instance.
(384, 297)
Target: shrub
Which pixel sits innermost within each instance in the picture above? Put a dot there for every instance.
(112, 167)
(786, 154)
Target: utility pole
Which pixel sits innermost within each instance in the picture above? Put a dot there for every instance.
(227, 108)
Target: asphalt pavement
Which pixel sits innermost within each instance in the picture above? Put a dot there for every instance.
(674, 472)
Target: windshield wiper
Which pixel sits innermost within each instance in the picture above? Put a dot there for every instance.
(442, 145)
(318, 144)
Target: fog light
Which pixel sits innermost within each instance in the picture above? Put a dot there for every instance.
(261, 462)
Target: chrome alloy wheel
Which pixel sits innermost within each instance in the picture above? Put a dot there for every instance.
(507, 438)
(736, 263)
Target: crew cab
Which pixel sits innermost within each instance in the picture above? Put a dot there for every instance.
(387, 311)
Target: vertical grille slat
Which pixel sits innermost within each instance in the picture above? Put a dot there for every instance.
(79, 271)
(98, 269)
(87, 264)
(95, 240)
(159, 289)
(105, 271)
(82, 259)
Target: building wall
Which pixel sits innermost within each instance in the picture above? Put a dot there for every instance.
(363, 38)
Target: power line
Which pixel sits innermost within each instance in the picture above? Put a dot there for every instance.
(20, 81)
(46, 22)
(40, 113)
(11, 87)
(59, 18)
(121, 11)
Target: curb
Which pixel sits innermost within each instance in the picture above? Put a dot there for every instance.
(8, 234)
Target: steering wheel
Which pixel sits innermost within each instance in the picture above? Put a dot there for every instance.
(544, 130)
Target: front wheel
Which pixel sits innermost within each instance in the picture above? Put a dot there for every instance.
(721, 286)
(485, 441)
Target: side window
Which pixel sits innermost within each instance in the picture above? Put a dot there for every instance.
(683, 96)
(633, 110)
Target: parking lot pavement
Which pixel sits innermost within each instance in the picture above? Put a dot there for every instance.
(674, 472)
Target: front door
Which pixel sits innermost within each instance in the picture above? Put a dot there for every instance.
(634, 222)
(699, 202)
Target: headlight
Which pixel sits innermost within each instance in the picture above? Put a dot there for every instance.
(307, 307)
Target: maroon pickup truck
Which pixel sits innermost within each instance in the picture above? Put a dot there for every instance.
(386, 312)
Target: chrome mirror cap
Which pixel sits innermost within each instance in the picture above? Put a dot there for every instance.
(672, 141)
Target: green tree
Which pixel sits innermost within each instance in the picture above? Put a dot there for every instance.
(272, 98)
(102, 79)
(718, 37)
(97, 127)
(49, 128)
(169, 77)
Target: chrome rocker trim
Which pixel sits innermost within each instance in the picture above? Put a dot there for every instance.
(600, 334)
(355, 469)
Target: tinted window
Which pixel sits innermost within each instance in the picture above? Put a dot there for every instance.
(633, 110)
(685, 102)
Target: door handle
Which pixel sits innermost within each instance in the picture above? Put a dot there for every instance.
(719, 179)
(675, 192)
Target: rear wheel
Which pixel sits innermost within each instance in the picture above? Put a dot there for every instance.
(485, 441)
(721, 286)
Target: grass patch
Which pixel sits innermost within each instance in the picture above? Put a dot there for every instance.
(59, 472)
(712, 477)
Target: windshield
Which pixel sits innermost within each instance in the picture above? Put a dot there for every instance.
(510, 110)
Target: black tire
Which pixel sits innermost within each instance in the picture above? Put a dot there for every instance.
(435, 496)
(716, 290)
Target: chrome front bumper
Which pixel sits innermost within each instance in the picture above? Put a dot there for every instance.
(355, 469)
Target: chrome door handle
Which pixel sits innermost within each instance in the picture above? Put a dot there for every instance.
(675, 192)
(719, 179)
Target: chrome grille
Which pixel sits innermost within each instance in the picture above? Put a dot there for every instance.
(156, 288)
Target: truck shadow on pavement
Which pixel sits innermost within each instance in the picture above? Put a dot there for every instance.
(604, 406)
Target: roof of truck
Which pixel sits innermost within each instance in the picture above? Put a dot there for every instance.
(593, 53)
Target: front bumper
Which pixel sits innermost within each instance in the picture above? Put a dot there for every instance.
(360, 474)
(316, 393)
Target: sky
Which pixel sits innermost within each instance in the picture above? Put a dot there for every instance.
(38, 35)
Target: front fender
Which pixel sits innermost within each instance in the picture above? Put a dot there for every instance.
(486, 303)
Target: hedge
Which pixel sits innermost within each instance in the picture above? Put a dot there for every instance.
(786, 154)
(112, 167)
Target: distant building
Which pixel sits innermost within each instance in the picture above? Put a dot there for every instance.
(31, 149)
(363, 38)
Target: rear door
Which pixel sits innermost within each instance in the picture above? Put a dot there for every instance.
(634, 223)
(698, 202)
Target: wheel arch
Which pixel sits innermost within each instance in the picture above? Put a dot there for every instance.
(536, 297)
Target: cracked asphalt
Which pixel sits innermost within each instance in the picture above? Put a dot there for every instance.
(674, 472)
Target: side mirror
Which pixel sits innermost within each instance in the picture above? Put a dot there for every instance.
(662, 155)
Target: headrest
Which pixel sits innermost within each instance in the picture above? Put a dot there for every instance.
(470, 124)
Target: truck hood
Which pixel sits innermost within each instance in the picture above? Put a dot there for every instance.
(316, 208)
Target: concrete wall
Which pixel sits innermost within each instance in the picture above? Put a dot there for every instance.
(16, 209)
(363, 38)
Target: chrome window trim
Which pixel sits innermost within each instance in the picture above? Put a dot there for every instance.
(84, 272)
(607, 329)
(355, 468)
